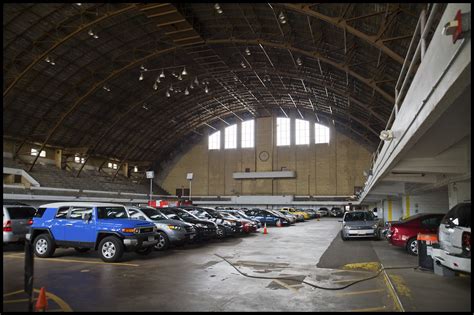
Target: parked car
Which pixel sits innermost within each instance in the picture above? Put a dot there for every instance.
(324, 212)
(225, 227)
(265, 216)
(313, 213)
(404, 233)
(338, 212)
(248, 226)
(17, 218)
(291, 217)
(454, 236)
(281, 215)
(206, 229)
(359, 223)
(83, 225)
(241, 214)
(298, 217)
(294, 211)
(169, 231)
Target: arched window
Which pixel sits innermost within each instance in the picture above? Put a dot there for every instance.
(283, 131)
(248, 133)
(321, 134)
(215, 141)
(301, 131)
(230, 137)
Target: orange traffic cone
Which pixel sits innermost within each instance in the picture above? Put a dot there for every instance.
(265, 229)
(42, 302)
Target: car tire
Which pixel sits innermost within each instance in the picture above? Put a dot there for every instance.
(81, 250)
(343, 237)
(220, 232)
(163, 241)
(144, 250)
(44, 246)
(111, 249)
(412, 246)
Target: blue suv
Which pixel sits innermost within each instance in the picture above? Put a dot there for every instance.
(104, 227)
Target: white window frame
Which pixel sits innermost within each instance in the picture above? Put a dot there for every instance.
(230, 137)
(214, 141)
(301, 132)
(283, 136)
(321, 133)
(248, 134)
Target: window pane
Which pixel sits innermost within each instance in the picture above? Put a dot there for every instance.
(215, 141)
(248, 132)
(283, 131)
(302, 131)
(79, 213)
(231, 137)
(321, 134)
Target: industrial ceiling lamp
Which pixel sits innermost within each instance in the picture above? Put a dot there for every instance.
(162, 74)
(171, 87)
(90, 32)
(155, 86)
(184, 71)
(298, 61)
(180, 78)
(168, 93)
(218, 8)
(386, 135)
(206, 89)
(141, 77)
(247, 51)
(282, 18)
(196, 81)
(96, 36)
(158, 80)
(186, 92)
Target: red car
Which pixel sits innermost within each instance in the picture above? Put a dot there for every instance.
(403, 233)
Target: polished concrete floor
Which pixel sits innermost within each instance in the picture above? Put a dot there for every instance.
(196, 278)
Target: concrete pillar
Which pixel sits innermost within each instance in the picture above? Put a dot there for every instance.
(58, 156)
(459, 192)
(391, 209)
(125, 169)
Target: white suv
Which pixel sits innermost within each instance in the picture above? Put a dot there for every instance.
(454, 250)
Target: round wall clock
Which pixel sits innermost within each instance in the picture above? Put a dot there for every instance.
(263, 156)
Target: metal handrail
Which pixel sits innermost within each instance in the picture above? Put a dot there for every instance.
(423, 30)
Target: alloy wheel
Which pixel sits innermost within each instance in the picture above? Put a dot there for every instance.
(41, 246)
(108, 250)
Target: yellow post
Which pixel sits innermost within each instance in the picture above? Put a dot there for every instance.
(389, 210)
(407, 204)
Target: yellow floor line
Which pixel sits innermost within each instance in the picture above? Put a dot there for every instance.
(371, 309)
(80, 261)
(15, 301)
(360, 292)
(285, 285)
(62, 304)
(348, 280)
(393, 293)
(13, 293)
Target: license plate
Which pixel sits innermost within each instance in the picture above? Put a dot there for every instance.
(151, 238)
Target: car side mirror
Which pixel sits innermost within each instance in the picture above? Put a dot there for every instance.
(87, 217)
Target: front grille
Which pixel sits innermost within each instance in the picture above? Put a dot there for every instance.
(146, 230)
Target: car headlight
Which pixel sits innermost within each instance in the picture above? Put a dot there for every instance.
(347, 227)
(174, 227)
(375, 226)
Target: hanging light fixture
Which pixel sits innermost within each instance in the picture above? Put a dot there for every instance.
(96, 36)
(206, 89)
(191, 86)
(186, 92)
(52, 63)
(141, 77)
(218, 8)
(168, 94)
(90, 32)
(47, 59)
(196, 81)
(184, 71)
(174, 74)
(158, 80)
(180, 78)
(282, 18)
(155, 86)
(162, 74)
(298, 61)
(171, 87)
(247, 51)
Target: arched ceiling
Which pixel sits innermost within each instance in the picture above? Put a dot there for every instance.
(336, 63)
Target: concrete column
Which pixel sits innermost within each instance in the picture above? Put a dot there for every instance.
(391, 209)
(58, 156)
(125, 169)
(459, 192)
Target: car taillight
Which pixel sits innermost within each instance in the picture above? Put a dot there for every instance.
(7, 227)
(30, 221)
(466, 241)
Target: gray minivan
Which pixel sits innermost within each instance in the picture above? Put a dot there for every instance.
(17, 219)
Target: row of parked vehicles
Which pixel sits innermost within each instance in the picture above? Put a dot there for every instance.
(453, 249)
(112, 229)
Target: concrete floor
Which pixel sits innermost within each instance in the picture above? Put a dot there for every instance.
(193, 278)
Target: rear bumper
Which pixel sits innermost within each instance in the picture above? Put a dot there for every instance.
(454, 262)
(10, 237)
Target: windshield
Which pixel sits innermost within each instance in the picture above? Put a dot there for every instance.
(228, 216)
(183, 214)
(154, 214)
(112, 213)
(359, 216)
